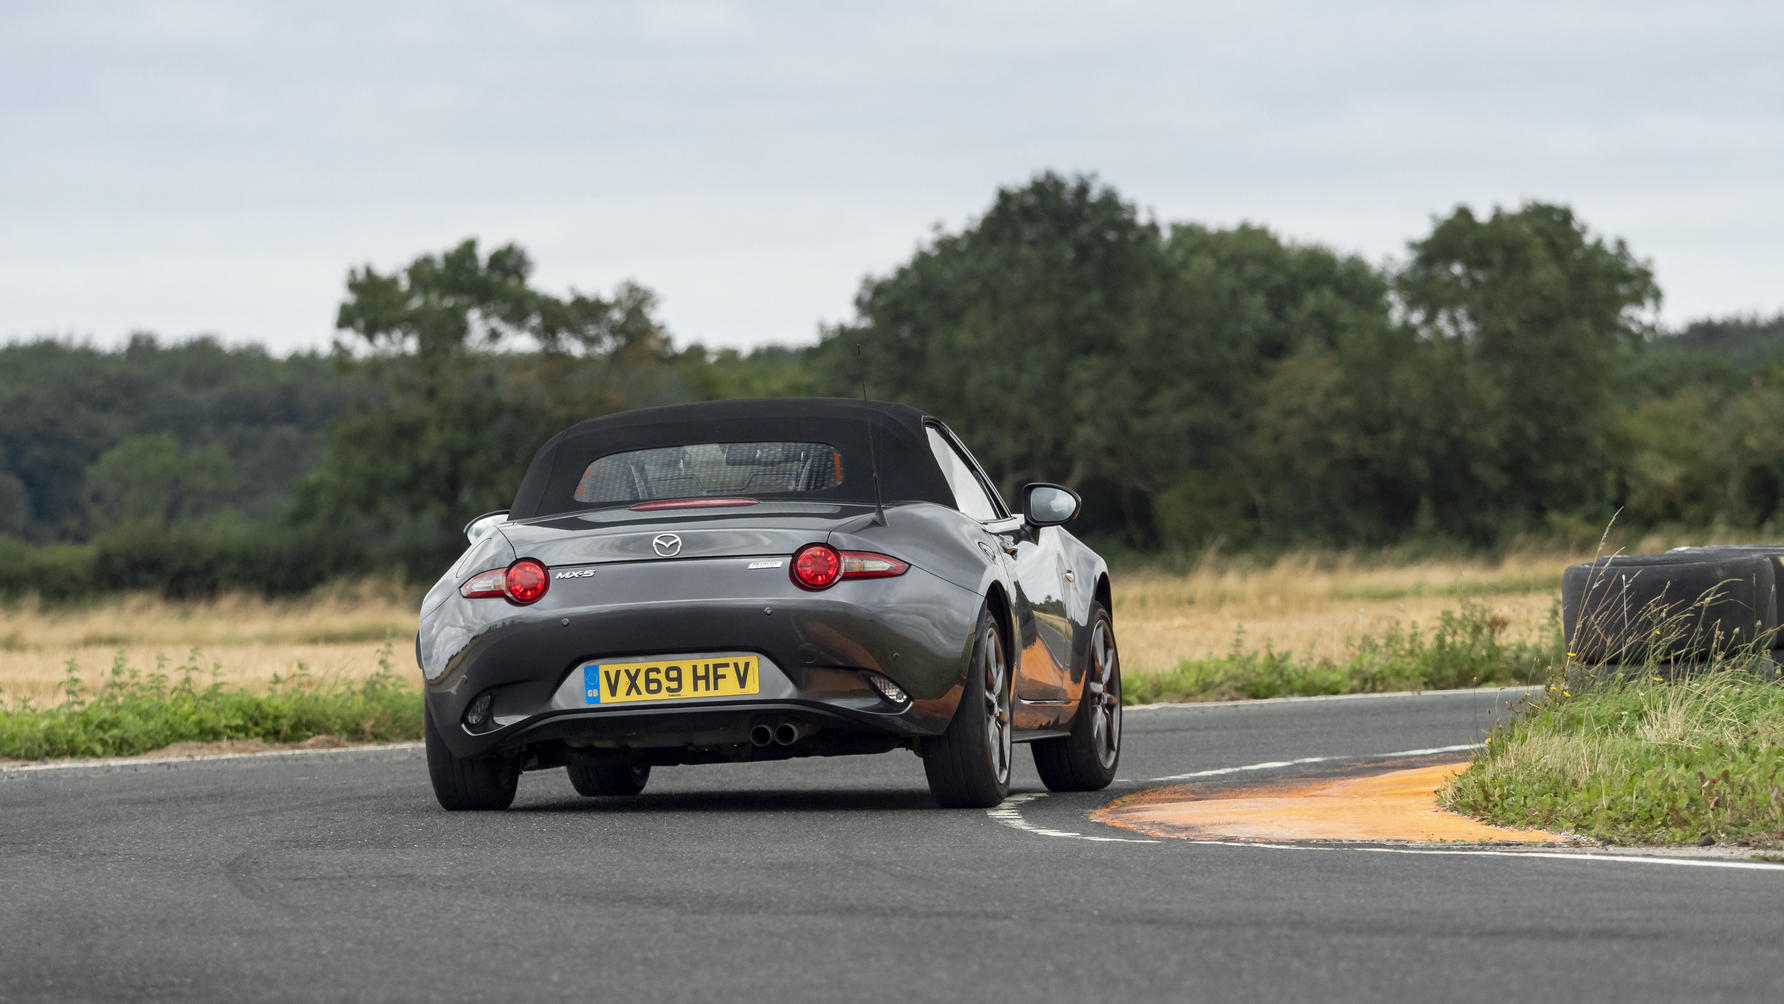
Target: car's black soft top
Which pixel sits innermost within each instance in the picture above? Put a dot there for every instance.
(908, 471)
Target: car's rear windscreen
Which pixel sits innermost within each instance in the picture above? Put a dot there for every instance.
(711, 470)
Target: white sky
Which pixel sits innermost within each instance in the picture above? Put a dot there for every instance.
(188, 167)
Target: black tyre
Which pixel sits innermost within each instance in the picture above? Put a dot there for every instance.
(615, 779)
(474, 783)
(1666, 607)
(1086, 759)
(1773, 552)
(969, 764)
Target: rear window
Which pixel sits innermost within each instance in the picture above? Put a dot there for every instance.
(711, 470)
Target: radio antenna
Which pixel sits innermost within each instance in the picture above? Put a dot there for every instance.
(873, 450)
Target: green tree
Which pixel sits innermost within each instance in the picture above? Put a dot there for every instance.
(1537, 314)
(475, 369)
(15, 501)
(62, 405)
(1258, 369)
(1703, 456)
(149, 479)
(1067, 338)
(1013, 331)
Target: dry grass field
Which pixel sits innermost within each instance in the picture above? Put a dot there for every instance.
(1311, 607)
(1315, 607)
(250, 640)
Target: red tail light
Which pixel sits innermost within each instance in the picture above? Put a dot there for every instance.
(820, 566)
(522, 582)
(817, 566)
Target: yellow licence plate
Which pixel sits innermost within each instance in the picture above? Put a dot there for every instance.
(669, 679)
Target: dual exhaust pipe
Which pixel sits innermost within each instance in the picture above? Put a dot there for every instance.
(778, 734)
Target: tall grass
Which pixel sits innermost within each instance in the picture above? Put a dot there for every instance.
(127, 711)
(1640, 757)
(1677, 736)
(1467, 648)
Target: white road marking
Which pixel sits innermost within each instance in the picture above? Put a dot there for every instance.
(1274, 764)
(1584, 854)
(1010, 814)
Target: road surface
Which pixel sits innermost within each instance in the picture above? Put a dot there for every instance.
(334, 876)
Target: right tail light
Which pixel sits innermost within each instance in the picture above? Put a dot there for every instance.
(820, 566)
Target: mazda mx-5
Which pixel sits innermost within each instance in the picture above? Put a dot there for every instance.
(757, 580)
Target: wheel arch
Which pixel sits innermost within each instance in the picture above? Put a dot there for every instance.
(1103, 594)
(998, 602)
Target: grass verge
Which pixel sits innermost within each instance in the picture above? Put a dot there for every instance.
(1467, 648)
(128, 711)
(1640, 759)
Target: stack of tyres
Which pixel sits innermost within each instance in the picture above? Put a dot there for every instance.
(1772, 552)
(1685, 606)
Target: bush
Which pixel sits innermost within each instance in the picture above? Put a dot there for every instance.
(59, 573)
(225, 553)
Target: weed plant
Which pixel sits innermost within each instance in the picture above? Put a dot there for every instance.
(1642, 756)
(128, 711)
(1678, 737)
(1465, 649)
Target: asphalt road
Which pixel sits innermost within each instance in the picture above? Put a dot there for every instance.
(334, 876)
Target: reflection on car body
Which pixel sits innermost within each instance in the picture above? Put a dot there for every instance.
(751, 580)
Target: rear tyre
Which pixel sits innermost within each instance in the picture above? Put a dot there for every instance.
(468, 783)
(969, 764)
(1086, 759)
(618, 779)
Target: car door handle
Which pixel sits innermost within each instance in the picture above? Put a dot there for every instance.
(1068, 575)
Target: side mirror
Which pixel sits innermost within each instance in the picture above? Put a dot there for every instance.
(480, 527)
(1046, 504)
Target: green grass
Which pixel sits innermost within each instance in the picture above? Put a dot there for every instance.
(127, 711)
(1640, 759)
(1465, 649)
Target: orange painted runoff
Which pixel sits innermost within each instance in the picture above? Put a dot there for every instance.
(1399, 805)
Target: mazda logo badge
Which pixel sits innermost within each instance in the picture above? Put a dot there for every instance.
(667, 545)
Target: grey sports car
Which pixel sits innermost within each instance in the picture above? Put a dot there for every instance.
(757, 580)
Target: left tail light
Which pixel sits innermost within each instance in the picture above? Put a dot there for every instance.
(521, 583)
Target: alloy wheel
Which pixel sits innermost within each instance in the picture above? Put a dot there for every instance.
(1105, 694)
(999, 729)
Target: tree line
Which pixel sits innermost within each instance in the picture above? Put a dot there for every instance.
(1201, 386)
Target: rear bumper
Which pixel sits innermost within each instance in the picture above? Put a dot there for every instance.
(815, 650)
(680, 734)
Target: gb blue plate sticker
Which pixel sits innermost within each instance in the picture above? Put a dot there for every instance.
(591, 683)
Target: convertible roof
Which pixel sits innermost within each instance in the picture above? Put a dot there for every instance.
(907, 469)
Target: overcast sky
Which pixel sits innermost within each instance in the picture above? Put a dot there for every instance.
(196, 167)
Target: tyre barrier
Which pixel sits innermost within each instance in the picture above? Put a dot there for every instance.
(1773, 551)
(1681, 605)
